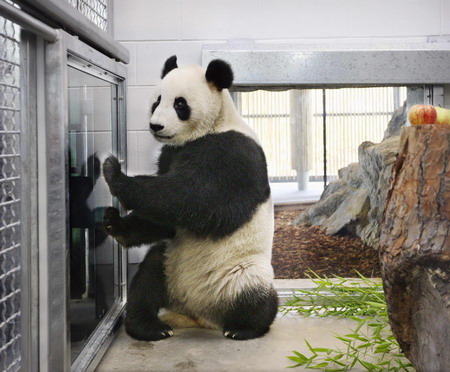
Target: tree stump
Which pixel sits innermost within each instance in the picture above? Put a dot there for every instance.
(415, 247)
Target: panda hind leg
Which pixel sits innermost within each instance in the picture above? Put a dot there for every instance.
(251, 315)
(176, 320)
(146, 295)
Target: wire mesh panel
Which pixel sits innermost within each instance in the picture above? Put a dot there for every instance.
(94, 10)
(10, 353)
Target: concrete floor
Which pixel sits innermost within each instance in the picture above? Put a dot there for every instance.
(203, 350)
(207, 350)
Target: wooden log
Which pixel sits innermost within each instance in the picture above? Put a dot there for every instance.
(415, 247)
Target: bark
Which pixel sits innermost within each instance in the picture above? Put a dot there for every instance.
(415, 247)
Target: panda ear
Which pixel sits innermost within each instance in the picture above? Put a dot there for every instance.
(220, 74)
(169, 65)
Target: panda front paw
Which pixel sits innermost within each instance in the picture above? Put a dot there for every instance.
(112, 222)
(112, 173)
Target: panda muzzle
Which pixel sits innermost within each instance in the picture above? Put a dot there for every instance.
(156, 127)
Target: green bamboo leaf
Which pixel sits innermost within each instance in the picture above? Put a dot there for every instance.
(364, 346)
(294, 359)
(365, 303)
(321, 350)
(375, 304)
(383, 344)
(299, 354)
(335, 361)
(319, 366)
(368, 366)
(345, 339)
(295, 366)
(310, 347)
(298, 361)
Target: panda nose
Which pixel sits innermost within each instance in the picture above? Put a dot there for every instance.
(156, 127)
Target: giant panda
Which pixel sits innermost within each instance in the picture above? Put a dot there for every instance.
(208, 213)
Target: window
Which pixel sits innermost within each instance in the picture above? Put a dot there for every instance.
(316, 132)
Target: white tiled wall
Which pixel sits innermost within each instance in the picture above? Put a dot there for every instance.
(147, 20)
(138, 107)
(153, 30)
(445, 14)
(151, 57)
(256, 19)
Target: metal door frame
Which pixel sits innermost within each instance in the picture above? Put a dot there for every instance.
(51, 219)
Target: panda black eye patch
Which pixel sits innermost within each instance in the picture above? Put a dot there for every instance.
(156, 104)
(182, 108)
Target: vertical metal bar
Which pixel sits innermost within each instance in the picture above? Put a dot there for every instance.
(122, 149)
(437, 95)
(29, 252)
(53, 216)
(428, 95)
(324, 121)
(396, 98)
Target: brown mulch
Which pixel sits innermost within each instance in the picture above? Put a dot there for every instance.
(298, 249)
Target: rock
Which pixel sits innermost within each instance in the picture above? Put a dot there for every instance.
(332, 188)
(396, 123)
(376, 162)
(319, 214)
(351, 174)
(352, 209)
(355, 202)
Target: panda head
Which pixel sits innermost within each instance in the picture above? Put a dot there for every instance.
(189, 101)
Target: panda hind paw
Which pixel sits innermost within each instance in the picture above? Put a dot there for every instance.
(149, 332)
(244, 333)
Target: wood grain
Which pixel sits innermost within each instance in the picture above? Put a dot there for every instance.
(415, 247)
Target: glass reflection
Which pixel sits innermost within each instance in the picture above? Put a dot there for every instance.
(92, 254)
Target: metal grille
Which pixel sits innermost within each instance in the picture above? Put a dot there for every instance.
(94, 10)
(10, 333)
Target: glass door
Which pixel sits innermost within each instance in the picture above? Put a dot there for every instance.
(94, 256)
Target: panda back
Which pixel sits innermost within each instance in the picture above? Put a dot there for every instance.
(221, 179)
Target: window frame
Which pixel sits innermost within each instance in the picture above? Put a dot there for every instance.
(275, 66)
(46, 250)
(422, 67)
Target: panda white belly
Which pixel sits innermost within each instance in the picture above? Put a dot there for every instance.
(205, 275)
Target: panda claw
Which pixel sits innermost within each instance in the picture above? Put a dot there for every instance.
(226, 333)
(166, 334)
